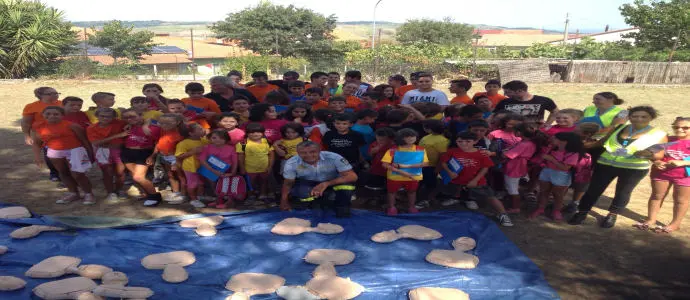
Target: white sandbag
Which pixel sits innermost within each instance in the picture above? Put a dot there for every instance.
(453, 259)
(70, 288)
(11, 283)
(434, 293)
(14, 212)
(161, 260)
(194, 223)
(118, 291)
(254, 283)
(333, 256)
(175, 274)
(52, 267)
(32, 231)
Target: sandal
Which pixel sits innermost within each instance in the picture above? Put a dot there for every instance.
(641, 226)
(663, 229)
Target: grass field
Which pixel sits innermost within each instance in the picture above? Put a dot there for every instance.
(581, 262)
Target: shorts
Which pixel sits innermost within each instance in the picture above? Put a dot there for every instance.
(255, 178)
(685, 181)
(375, 182)
(477, 194)
(168, 159)
(108, 156)
(430, 178)
(408, 185)
(193, 180)
(135, 156)
(556, 177)
(78, 158)
(512, 185)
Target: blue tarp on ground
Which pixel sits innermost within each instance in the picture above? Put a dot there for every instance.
(245, 244)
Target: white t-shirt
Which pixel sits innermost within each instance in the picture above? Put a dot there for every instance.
(433, 96)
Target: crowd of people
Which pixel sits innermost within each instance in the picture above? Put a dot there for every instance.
(320, 143)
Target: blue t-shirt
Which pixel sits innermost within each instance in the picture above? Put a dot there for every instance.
(294, 99)
(369, 136)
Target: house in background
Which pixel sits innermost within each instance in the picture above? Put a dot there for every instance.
(163, 59)
(601, 37)
(209, 54)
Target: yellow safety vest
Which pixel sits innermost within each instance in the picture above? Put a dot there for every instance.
(622, 157)
(606, 118)
(340, 187)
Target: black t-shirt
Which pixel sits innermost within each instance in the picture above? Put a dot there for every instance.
(225, 105)
(532, 110)
(347, 145)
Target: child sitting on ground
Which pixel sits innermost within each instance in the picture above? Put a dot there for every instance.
(471, 182)
(398, 176)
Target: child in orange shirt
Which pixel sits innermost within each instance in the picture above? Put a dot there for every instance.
(178, 107)
(492, 87)
(351, 101)
(337, 104)
(314, 97)
(261, 87)
(460, 88)
(68, 150)
(107, 137)
(173, 130)
(196, 100)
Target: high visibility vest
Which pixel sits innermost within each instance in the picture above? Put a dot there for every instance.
(604, 120)
(622, 157)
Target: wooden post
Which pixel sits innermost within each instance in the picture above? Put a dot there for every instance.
(191, 38)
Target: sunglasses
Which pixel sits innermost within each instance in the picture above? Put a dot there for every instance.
(51, 94)
(685, 128)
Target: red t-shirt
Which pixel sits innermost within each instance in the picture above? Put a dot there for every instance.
(80, 118)
(472, 163)
(138, 139)
(376, 164)
(168, 141)
(96, 133)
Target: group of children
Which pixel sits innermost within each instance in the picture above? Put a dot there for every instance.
(483, 154)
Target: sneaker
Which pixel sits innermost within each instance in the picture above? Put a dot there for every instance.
(61, 186)
(609, 221)
(578, 218)
(557, 216)
(450, 202)
(471, 205)
(392, 211)
(413, 210)
(571, 207)
(89, 200)
(197, 204)
(422, 204)
(122, 194)
(67, 198)
(54, 178)
(175, 198)
(152, 200)
(536, 213)
(112, 198)
(504, 220)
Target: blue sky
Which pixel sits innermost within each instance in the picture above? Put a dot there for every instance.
(547, 14)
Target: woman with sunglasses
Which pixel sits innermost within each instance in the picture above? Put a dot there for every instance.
(626, 159)
(671, 169)
(33, 114)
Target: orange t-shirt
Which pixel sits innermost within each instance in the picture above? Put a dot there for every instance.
(352, 102)
(203, 103)
(404, 89)
(97, 133)
(464, 99)
(495, 99)
(260, 91)
(168, 141)
(35, 109)
(58, 136)
(319, 105)
(386, 102)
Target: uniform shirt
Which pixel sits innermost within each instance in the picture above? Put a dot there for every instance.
(328, 167)
(509, 138)
(35, 109)
(236, 135)
(518, 156)
(389, 158)
(255, 155)
(319, 105)
(58, 136)
(433, 96)
(435, 145)
(191, 163)
(400, 92)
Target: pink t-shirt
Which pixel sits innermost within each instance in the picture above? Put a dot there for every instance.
(583, 169)
(556, 129)
(677, 150)
(509, 138)
(516, 166)
(226, 153)
(236, 135)
(273, 129)
(138, 139)
(567, 158)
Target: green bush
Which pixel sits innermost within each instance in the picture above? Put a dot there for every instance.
(274, 65)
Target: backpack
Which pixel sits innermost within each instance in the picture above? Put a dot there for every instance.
(233, 187)
(582, 172)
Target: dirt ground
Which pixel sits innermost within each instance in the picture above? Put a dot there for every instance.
(580, 262)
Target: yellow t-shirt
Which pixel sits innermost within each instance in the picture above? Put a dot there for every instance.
(152, 115)
(189, 164)
(388, 158)
(91, 113)
(291, 146)
(435, 145)
(255, 155)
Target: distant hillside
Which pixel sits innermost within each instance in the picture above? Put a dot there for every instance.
(139, 24)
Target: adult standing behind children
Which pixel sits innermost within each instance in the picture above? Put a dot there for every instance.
(605, 113)
(224, 90)
(425, 92)
(33, 114)
(624, 159)
(312, 174)
(530, 106)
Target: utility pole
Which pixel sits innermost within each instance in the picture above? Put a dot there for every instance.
(667, 71)
(191, 38)
(565, 32)
(373, 30)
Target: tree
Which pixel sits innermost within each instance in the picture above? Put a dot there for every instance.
(659, 22)
(444, 32)
(274, 29)
(31, 34)
(122, 42)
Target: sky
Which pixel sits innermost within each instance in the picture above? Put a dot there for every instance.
(546, 14)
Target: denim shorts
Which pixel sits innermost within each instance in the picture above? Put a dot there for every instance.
(555, 177)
